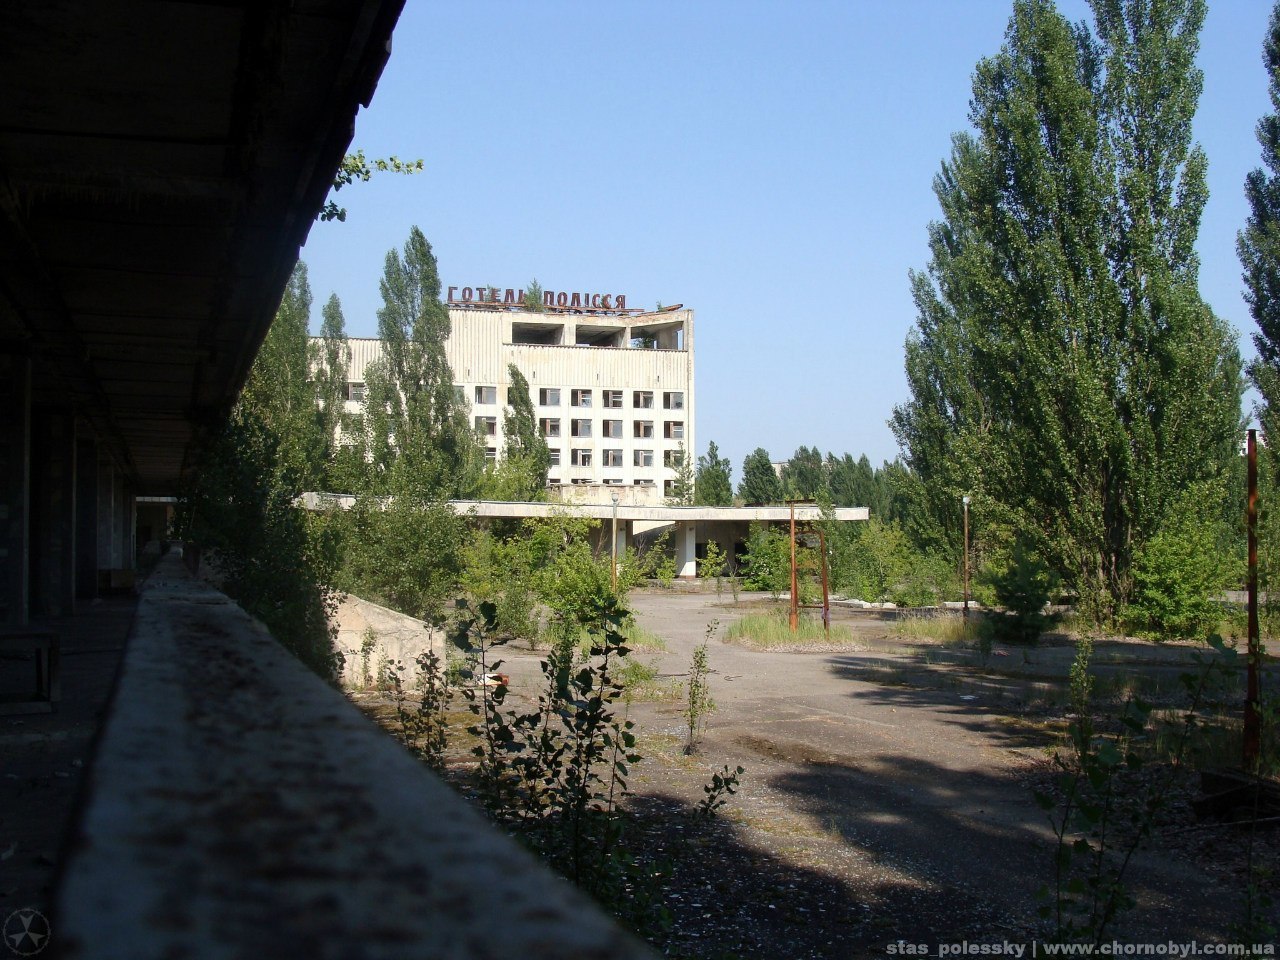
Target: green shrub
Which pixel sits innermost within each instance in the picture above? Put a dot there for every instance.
(767, 562)
(1023, 587)
(1177, 576)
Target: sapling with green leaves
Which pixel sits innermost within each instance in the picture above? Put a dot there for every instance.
(698, 701)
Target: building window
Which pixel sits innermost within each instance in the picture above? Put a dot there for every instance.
(612, 429)
(549, 397)
(355, 392)
(673, 429)
(550, 426)
(643, 429)
(580, 428)
(672, 458)
(486, 394)
(613, 399)
(553, 481)
(612, 458)
(644, 458)
(459, 393)
(579, 457)
(642, 399)
(580, 481)
(491, 453)
(673, 401)
(642, 483)
(668, 488)
(554, 461)
(580, 398)
(487, 426)
(613, 481)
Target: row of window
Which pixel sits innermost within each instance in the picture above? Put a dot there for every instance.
(550, 397)
(640, 429)
(668, 486)
(609, 429)
(582, 457)
(611, 399)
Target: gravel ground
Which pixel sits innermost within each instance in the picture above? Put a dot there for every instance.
(872, 811)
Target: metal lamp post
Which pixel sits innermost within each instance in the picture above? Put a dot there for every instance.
(613, 545)
(965, 500)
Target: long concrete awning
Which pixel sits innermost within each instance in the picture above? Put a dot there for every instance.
(604, 511)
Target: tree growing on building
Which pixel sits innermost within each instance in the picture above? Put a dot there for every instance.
(712, 485)
(533, 297)
(759, 484)
(1064, 370)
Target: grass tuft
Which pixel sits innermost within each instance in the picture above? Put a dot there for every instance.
(771, 631)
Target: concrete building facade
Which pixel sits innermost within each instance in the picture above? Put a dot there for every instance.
(613, 390)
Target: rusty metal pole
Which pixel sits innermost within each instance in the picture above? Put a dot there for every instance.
(795, 591)
(826, 596)
(1252, 719)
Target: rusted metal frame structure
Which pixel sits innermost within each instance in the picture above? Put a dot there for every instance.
(796, 605)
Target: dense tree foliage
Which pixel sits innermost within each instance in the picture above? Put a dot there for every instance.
(416, 430)
(759, 484)
(1260, 245)
(804, 476)
(525, 446)
(1064, 369)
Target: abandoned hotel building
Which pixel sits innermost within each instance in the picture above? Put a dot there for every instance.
(613, 390)
(612, 387)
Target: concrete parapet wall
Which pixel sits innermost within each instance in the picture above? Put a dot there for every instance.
(239, 807)
(396, 637)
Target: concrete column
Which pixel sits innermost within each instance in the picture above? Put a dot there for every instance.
(15, 486)
(686, 549)
(106, 514)
(53, 512)
(130, 527)
(119, 522)
(86, 518)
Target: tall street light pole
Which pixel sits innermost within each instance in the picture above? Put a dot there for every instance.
(613, 546)
(966, 562)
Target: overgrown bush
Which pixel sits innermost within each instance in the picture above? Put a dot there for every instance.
(401, 552)
(767, 562)
(273, 559)
(1178, 577)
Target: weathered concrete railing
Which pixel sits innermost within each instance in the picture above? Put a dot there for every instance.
(238, 807)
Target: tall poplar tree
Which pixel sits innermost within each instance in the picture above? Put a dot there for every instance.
(759, 482)
(713, 483)
(1260, 245)
(1064, 370)
(280, 392)
(416, 425)
(525, 452)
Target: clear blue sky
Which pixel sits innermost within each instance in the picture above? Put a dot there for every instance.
(768, 164)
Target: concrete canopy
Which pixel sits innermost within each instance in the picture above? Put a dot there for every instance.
(160, 166)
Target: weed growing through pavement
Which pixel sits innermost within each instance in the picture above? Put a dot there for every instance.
(698, 701)
(423, 729)
(723, 784)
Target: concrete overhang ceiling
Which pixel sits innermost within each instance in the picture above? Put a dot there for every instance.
(160, 165)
